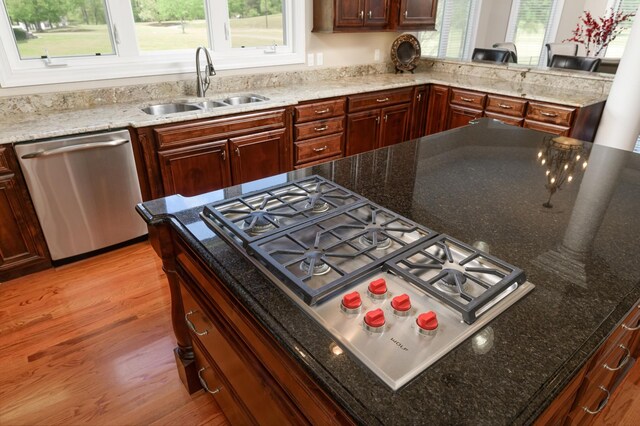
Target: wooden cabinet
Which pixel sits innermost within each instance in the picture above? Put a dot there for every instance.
(550, 118)
(417, 14)
(464, 106)
(198, 156)
(319, 131)
(437, 109)
(373, 15)
(22, 246)
(418, 121)
(377, 119)
(588, 393)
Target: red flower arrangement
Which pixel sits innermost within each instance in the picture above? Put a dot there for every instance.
(596, 33)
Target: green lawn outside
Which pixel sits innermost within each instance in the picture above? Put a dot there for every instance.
(91, 39)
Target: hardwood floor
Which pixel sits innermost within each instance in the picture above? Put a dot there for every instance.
(91, 343)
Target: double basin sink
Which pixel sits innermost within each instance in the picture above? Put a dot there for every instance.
(170, 108)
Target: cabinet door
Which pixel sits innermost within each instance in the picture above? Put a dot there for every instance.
(22, 246)
(256, 156)
(376, 13)
(395, 122)
(419, 113)
(196, 169)
(459, 116)
(363, 129)
(417, 13)
(349, 13)
(437, 109)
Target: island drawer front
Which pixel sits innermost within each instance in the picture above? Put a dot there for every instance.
(190, 133)
(545, 127)
(211, 375)
(467, 98)
(320, 110)
(554, 114)
(556, 413)
(315, 149)
(380, 99)
(236, 366)
(506, 106)
(319, 128)
(514, 121)
(303, 393)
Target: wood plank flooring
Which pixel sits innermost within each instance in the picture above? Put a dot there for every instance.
(91, 343)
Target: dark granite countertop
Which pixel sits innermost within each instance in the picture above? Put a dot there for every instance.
(478, 183)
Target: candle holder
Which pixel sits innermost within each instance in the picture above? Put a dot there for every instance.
(562, 157)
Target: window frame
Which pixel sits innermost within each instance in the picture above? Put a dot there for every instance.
(128, 61)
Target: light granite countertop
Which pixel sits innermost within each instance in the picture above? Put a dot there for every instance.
(41, 125)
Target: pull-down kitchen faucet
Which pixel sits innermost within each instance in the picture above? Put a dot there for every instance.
(209, 71)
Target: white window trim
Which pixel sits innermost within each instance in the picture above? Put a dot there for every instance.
(471, 30)
(129, 62)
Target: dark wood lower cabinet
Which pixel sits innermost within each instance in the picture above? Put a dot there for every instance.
(437, 109)
(363, 129)
(460, 116)
(22, 246)
(418, 122)
(395, 123)
(257, 156)
(253, 379)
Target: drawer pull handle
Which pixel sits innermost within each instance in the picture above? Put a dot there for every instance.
(622, 362)
(505, 106)
(193, 327)
(370, 14)
(466, 99)
(320, 149)
(322, 111)
(204, 383)
(603, 403)
(321, 128)
(406, 14)
(382, 100)
(548, 114)
(626, 327)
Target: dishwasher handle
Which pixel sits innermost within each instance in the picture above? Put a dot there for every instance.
(73, 148)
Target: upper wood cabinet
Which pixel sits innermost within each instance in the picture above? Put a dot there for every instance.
(22, 246)
(373, 15)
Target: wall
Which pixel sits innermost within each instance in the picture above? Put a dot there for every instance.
(337, 49)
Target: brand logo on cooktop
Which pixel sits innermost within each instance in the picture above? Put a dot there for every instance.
(399, 345)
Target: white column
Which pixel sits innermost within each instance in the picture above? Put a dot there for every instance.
(620, 123)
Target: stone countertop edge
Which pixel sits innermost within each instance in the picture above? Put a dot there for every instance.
(118, 116)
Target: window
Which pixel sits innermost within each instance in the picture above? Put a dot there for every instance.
(80, 40)
(532, 24)
(456, 23)
(616, 47)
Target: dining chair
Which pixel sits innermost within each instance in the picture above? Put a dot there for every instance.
(510, 47)
(584, 63)
(567, 49)
(499, 56)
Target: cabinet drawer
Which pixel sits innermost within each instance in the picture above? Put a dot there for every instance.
(553, 114)
(236, 366)
(317, 148)
(514, 121)
(318, 110)
(545, 127)
(319, 128)
(467, 98)
(219, 128)
(506, 106)
(379, 99)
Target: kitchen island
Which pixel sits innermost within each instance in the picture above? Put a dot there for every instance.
(483, 183)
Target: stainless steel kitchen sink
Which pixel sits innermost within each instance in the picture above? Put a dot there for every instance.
(171, 108)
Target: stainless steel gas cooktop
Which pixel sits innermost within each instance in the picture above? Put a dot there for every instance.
(395, 294)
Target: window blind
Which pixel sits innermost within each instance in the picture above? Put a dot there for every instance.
(532, 24)
(616, 47)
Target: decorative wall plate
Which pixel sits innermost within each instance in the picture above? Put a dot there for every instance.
(405, 53)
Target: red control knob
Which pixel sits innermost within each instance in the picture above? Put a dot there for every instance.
(374, 318)
(378, 286)
(401, 303)
(352, 300)
(428, 321)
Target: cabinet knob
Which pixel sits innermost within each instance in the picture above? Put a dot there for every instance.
(237, 150)
(406, 14)
(419, 97)
(362, 14)
(223, 154)
(370, 14)
(385, 118)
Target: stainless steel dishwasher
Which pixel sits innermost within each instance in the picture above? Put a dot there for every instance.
(84, 189)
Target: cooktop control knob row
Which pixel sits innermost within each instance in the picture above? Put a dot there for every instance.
(427, 323)
(351, 302)
(374, 320)
(378, 288)
(401, 305)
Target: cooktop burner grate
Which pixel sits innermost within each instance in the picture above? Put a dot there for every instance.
(316, 259)
(262, 213)
(461, 276)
